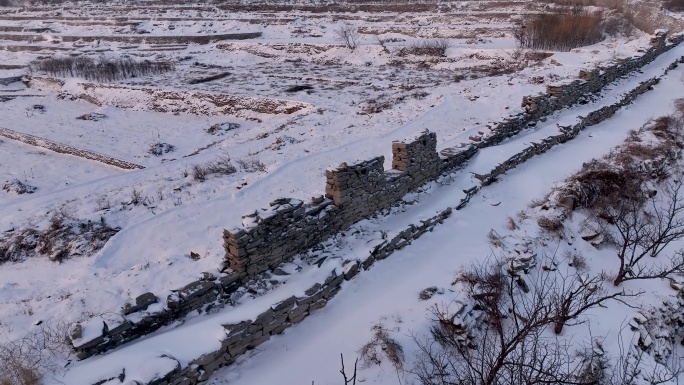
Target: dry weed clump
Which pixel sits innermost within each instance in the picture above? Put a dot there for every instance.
(647, 155)
(382, 344)
(436, 47)
(159, 148)
(252, 164)
(563, 30)
(65, 237)
(101, 70)
(20, 375)
(26, 359)
(674, 5)
(221, 166)
(551, 225)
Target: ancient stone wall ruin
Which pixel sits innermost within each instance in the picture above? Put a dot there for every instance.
(66, 149)
(248, 334)
(580, 91)
(353, 192)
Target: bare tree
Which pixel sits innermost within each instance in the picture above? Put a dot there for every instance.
(508, 343)
(635, 366)
(646, 229)
(347, 380)
(349, 36)
(574, 295)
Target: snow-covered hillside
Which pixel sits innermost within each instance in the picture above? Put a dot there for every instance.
(81, 238)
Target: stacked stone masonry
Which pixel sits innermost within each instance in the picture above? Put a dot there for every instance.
(65, 149)
(353, 192)
(248, 334)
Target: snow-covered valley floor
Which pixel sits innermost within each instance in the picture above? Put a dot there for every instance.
(355, 104)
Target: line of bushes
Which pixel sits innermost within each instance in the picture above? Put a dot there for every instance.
(102, 69)
(562, 30)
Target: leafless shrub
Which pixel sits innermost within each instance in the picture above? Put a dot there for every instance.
(221, 128)
(509, 344)
(19, 374)
(199, 172)
(349, 36)
(495, 239)
(621, 175)
(252, 164)
(101, 70)
(562, 30)
(382, 345)
(64, 237)
(511, 225)
(103, 203)
(646, 230)
(631, 366)
(618, 192)
(578, 261)
(618, 23)
(382, 44)
(24, 361)
(436, 47)
(221, 166)
(679, 107)
(593, 364)
(136, 197)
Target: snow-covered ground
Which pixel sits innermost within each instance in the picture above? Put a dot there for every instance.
(358, 102)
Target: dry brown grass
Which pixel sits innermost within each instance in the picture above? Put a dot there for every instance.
(99, 70)
(21, 375)
(63, 238)
(551, 225)
(674, 5)
(382, 344)
(562, 30)
(621, 176)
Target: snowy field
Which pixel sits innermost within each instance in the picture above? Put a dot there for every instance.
(300, 102)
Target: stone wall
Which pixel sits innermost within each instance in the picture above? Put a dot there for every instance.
(65, 149)
(579, 91)
(248, 334)
(570, 132)
(138, 39)
(352, 192)
(289, 226)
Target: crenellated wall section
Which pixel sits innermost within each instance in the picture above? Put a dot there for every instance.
(352, 193)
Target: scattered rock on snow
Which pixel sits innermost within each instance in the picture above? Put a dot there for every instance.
(94, 116)
(141, 303)
(159, 149)
(16, 186)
